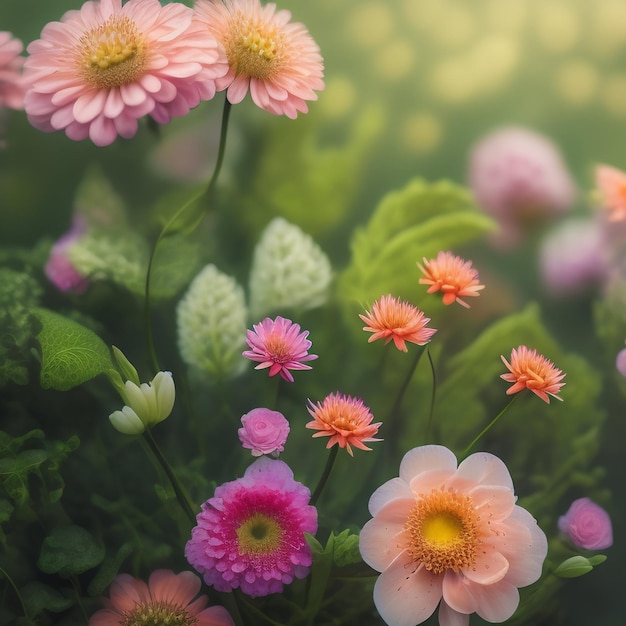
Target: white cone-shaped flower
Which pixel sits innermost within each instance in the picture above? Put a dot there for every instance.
(289, 270)
(212, 322)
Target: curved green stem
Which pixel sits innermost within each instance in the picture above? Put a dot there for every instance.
(431, 413)
(487, 428)
(17, 593)
(325, 474)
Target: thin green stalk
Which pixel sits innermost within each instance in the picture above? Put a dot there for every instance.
(405, 383)
(325, 474)
(431, 413)
(74, 582)
(17, 593)
(488, 427)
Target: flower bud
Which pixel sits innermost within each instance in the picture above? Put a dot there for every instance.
(587, 525)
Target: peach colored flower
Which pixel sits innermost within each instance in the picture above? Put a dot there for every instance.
(452, 537)
(104, 66)
(392, 318)
(275, 59)
(168, 598)
(451, 275)
(12, 83)
(611, 184)
(346, 420)
(530, 370)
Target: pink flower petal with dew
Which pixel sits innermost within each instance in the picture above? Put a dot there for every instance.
(457, 594)
(426, 458)
(497, 602)
(493, 503)
(391, 490)
(427, 481)
(449, 617)
(487, 469)
(406, 596)
(488, 568)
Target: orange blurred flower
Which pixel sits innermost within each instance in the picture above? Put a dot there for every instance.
(346, 420)
(392, 318)
(531, 370)
(611, 184)
(452, 275)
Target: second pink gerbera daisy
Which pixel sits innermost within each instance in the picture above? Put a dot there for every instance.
(104, 66)
(275, 59)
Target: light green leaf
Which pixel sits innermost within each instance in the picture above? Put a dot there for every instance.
(574, 567)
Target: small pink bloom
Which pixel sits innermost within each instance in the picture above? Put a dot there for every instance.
(280, 346)
(264, 432)
(587, 525)
(275, 59)
(452, 537)
(611, 184)
(251, 534)
(168, 598)
(12, 83)
(103, 67)
(620, 362)
(59, 268)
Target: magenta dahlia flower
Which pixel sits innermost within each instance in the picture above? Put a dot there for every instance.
(12, 84)
(275, 59)
(452, 537)
(104, 66)
(279, 345)
(250, 534)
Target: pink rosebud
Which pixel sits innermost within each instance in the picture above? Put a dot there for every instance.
(587, 525)
(264, 432)
(620, 362)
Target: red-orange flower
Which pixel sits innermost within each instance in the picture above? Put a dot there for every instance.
(611, 184)
(392, 318)
(346, 420)
(451, 275)
(530, 370)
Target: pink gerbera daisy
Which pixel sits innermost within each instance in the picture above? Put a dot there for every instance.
(392, 318)
(277, 60)
(451, 275)
(12, 84)
(530, 370)
(250, 535)
(452, 537)
(168, 598)
(101, 68)
(611, 184)
(279, 345)
(346, 420)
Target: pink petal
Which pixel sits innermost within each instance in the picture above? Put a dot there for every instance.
(133, 94)
(493, 503)
(392, 489)
(485, 468)
(497, 602)
(457, 593)
(89, 106)
(449, 617)
(379, 541)
(238, 89)
(426, 458)
(178, 589)
(102, 131)
(114, 104)
(488, 568)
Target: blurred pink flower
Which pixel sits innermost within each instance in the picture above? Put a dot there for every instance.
(587, 525)
(104, 66)
(279, 345)
(452, 537)
(264, 432)
(519, 177)
(611, 184)
(59, 269)
(168, 598)
(251, 534)
(275, 59)
(620, 362)
(12, 83)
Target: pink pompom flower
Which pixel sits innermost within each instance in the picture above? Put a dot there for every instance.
(587, 525)
(280, 346)
(275, 59)
(168, 598)
(104, 66)
(264, 432)
(250, 535)
(452, 537)
(12, 83)
(59, 269)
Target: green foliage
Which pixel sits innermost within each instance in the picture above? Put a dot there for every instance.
(578, 565)
(39, 597)
(71, 354)
(69, 551)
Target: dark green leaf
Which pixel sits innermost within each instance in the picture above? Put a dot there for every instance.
(69, 550)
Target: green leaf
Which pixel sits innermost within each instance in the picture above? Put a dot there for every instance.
(69, 550)
(574, 567)
(39, 597)
(108, 570)
(125, 366)
(71, 353)
(346, 550)
(597, 559)
(23, 463)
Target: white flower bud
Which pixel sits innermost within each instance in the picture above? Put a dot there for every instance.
(127, 422)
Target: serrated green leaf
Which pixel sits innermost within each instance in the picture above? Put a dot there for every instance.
(69, 550)
(71, 353)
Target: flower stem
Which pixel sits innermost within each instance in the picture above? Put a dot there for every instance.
(325, 474)
(17, 593)
(488, 427)
(197, 199)
(179, 491)
(431, 413)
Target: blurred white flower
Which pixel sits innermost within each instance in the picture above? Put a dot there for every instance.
(289, 270)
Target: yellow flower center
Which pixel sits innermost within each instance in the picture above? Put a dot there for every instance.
(259, 534)
(253, 48)
(113, 54)
(442, 531)
(157, 614)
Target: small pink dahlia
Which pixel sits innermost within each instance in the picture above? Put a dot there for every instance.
(104, 66)
(12, 84)
(274, 58)
(279, 345)
(250, 534)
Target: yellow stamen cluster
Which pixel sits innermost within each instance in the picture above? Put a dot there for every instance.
(113, 54)
(442, 531)
(158, 614)
(259, 534)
